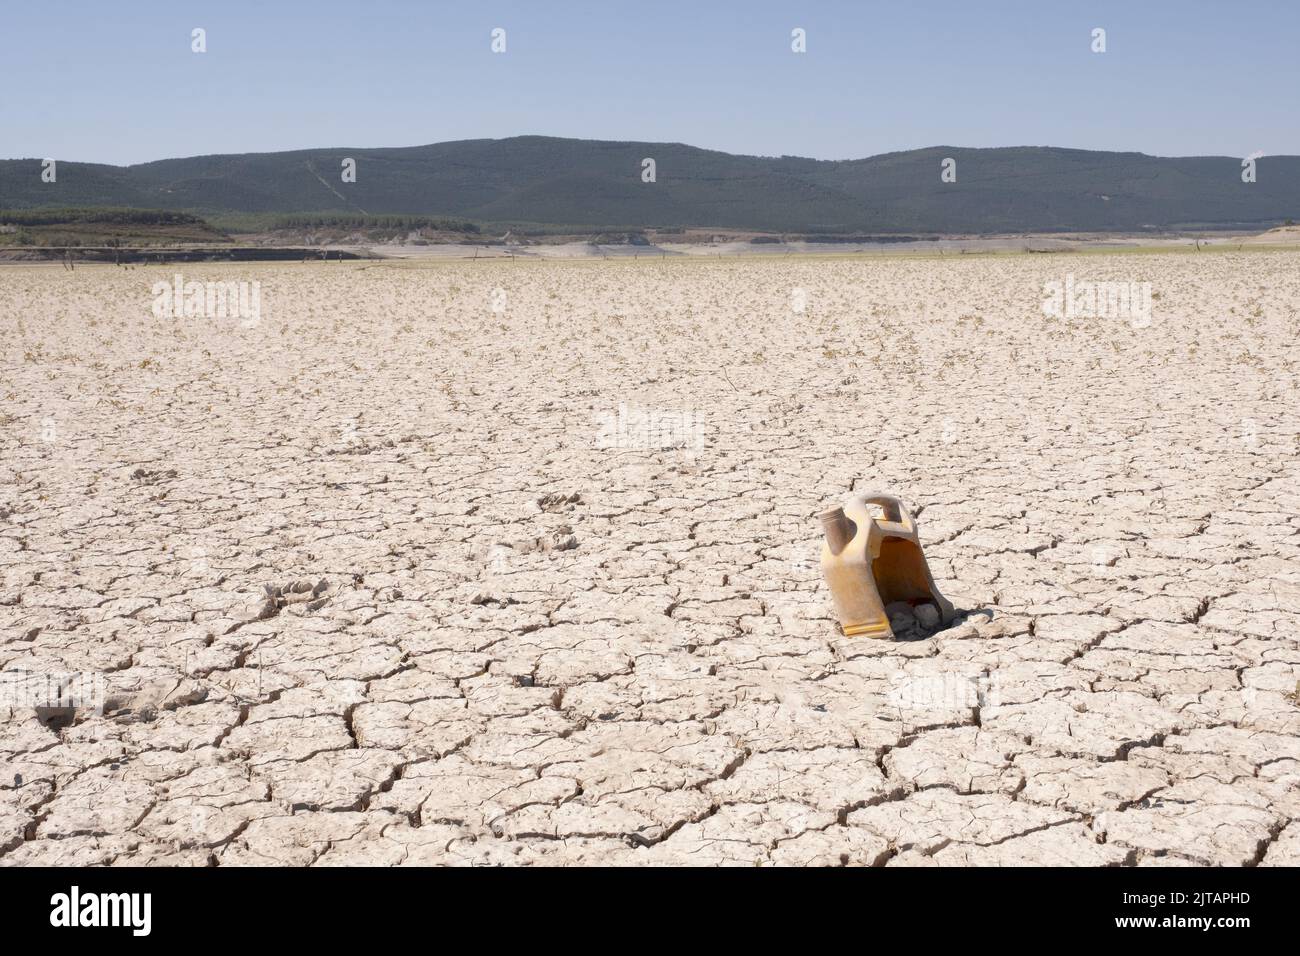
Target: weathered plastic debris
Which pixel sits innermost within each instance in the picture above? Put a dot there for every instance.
(873, 562)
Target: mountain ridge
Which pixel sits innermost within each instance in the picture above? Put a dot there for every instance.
(563, 181)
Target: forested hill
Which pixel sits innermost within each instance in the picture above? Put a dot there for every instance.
(544, 180)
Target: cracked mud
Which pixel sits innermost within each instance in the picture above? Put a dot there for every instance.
(516, 563)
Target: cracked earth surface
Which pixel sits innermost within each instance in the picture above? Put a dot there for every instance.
(366, 585)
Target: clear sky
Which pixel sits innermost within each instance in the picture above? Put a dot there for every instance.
(92, 80)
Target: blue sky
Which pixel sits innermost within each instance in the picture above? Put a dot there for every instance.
(117, 82)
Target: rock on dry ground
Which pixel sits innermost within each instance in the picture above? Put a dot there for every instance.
(516, 563)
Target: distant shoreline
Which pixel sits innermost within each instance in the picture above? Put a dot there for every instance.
(949, 246)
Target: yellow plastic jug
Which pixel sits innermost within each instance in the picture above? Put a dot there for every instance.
(872, 559)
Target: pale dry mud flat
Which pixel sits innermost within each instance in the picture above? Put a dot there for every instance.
(528, 633)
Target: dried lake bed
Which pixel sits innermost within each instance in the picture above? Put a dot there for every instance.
(515, 562)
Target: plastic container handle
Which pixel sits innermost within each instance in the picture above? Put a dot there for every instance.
(893, 507)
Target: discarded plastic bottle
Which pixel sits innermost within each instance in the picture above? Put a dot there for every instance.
(872, 558)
